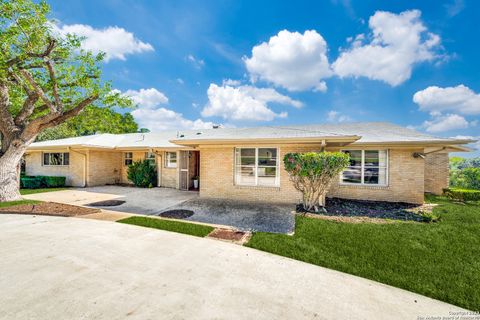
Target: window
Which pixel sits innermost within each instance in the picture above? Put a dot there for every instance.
(128, 158)
(367, 167)
(150, 156)
(256, 167)
(56, 159)
(170, 159)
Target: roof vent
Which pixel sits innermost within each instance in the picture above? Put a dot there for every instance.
(199, 133)
(216, 126)
(182, 136)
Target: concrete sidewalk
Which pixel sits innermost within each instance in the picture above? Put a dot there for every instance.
(64, 268)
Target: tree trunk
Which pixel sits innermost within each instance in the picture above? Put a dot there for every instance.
(9, 177)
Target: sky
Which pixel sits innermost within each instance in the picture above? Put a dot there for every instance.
(192, 64)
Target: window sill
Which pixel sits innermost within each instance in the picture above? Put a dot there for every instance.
(363, 186)
(275, 188)
(56, 165)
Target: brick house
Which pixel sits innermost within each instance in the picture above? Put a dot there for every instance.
(388, 162)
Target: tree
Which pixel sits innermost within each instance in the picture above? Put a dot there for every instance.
(92, 120)
(312, 174)
(45, 80)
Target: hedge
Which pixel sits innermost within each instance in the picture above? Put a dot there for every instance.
(462, 194)
(28, 182)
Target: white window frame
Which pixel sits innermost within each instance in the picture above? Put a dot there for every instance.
(277, 166)
(56, 165)
(387, 174)
(125, 158)
(169, 164)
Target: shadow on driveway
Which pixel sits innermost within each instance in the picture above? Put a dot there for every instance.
(245, 216)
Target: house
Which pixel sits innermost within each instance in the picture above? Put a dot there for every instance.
(388, 162)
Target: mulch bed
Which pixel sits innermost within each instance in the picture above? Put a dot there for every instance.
(341, 208)
(229, 235)
(177, 214)
(49, 209)
(106, 203)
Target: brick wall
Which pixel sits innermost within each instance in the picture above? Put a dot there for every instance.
(74, 172)
(436, 172)
(104, 167)
(406, 180)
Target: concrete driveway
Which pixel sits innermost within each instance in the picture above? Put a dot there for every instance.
(71, 268)
(244, 216)
(137, 200)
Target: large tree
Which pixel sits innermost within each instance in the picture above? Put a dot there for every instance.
(92, 120)
(45, 80)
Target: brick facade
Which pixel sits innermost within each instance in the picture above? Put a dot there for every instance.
(409, 177)
(436, 172)
(406, 178)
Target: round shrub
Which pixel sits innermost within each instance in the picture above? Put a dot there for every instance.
(143, 174)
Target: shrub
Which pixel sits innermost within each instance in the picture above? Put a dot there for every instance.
(30, 183)
(54, 182)
(142, 174)
(462, 194)
(312, 174)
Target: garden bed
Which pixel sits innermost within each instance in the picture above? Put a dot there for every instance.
(336, 207)
(49, 209)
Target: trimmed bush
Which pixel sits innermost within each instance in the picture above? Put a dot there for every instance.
(54, 182)
(462, 195)
(312, 174)
(30, 182)
(143, 174)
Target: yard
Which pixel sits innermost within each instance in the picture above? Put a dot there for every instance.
(440, 260)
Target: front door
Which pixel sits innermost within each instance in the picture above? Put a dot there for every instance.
(184, 164)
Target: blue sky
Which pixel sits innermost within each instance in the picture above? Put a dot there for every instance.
(247, 63)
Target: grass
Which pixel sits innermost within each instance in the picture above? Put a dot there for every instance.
(18, 202)
(175, 226)
(40, 190)
(440, 260)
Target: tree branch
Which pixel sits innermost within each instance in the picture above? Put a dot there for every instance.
(38, 90)
(70, 113)
(27, 109)
(51, 71)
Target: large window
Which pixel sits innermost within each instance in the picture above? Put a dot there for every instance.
(368, 167)
(127, 158)
(256, 167)
(56, 159)
(170, 159)
(150, 156)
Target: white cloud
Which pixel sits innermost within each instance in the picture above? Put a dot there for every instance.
(337, 117)
(230, 82)
(460, 99)
(441, 123)
(197, 63)
(147, 98)
(291, 60)
(398, 42)
(245, 103)
(152, 114)
(158, 119)
(180, 81)
(455, 7)
(114, 41)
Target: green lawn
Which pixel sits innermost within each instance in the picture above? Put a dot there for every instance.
(440, 260)
(14, 203)
(32, 191)
(175, 226)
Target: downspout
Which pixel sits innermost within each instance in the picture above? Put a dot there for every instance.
(323, 145)
(159, 166)
(84, 166)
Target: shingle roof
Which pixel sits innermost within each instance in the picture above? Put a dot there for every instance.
(368, 132)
